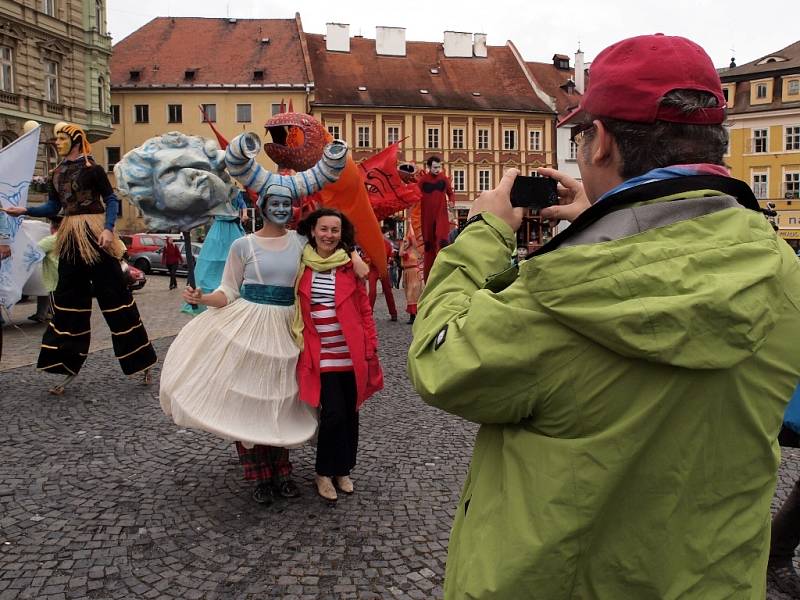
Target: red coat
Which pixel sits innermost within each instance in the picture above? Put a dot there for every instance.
(355, 317)
(172, 255)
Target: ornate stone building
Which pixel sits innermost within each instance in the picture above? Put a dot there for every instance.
(54, 66)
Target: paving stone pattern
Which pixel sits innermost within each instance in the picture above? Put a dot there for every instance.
(102, 496)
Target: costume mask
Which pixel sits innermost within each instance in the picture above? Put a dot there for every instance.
(436, 168)
(278, 209)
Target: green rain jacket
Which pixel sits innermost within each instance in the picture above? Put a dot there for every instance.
(630, 383)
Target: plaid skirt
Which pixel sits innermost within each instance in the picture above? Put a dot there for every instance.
(264, 463)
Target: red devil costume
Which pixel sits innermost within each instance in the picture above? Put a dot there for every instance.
(436, 192)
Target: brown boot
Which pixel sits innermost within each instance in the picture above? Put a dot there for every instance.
(325, 487)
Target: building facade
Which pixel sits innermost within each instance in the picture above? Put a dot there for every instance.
(475, 106)
(763, 99)
(54, 66)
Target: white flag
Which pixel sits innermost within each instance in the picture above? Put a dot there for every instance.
(17, 162)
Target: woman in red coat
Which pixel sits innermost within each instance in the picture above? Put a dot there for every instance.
(338, 367)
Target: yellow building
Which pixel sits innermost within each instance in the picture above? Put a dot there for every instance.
(161, 75)
(473, 105)
(764, 116)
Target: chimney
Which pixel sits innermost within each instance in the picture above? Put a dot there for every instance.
(457, 44)
(338, 37)
(580, 79)
(390, 41)
(479, 45)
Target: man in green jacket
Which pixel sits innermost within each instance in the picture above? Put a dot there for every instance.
(629, 377)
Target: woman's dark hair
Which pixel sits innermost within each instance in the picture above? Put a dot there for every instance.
(348, 241)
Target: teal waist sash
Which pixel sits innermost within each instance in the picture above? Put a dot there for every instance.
(278, 295)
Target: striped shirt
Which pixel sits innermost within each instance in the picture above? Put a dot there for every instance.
(334, 354)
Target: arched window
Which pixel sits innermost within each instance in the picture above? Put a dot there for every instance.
(100, 22)
(6, 137)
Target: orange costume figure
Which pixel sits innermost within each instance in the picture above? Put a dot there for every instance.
(411, 261)
(437, 193)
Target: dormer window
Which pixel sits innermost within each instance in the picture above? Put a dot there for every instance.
(135, 75)
(434, 71)
(189, 74)
(771, 59)
(258, 75)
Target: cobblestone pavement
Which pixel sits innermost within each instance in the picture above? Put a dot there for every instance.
(102, 496)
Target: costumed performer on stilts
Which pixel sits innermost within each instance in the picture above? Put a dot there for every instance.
(89, 263)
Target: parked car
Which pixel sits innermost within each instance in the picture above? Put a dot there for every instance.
(133, 276)
(152, 261)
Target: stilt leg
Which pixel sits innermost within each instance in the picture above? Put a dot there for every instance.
(58, 390)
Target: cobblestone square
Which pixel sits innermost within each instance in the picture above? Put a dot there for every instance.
(102, 496)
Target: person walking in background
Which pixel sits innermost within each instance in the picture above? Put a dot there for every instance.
(386, 286)
(172, 259)
(630, 377)
(338, 367)
(411, 261)
(44, 304)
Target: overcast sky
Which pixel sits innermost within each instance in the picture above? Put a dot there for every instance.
(741, 28)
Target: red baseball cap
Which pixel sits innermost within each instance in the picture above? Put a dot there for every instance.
(627, 80)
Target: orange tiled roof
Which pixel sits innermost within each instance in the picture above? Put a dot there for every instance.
(550, 79)
(223, 52)
(390, 81)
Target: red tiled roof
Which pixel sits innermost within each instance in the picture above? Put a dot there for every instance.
(396, 80)
(231, 50)
(550, 79)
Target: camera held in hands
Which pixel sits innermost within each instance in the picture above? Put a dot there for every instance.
(534, 192)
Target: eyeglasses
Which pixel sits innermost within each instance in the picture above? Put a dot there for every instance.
(576, 132)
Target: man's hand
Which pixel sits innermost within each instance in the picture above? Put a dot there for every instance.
(572, 198)
(106, 239)
(15, 211)
(5, 251)
(498, 202)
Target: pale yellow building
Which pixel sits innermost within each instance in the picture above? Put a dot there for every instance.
(763, 99)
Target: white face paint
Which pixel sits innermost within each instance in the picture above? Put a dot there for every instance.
(436, 168)
(278, 210)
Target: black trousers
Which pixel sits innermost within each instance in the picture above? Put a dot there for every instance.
(65, 343)
(173, 281)
(786, 529)
(337, 440)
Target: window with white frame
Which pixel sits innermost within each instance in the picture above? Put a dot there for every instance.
(791, 184)
(209, 113)
(433, 137)
(141, 113)
(6, 69)
(760, 186)
(459, 180)
(244, 113)
(49, 7)
(335, 131)
(535, 140)
(484, 180)
(761, 91)
(573, 151)
(793, 137)
(112, 157)
(275, 109)
(483, 139)
(175, 113)
(509, 139)
(760, 140)
(457, 138)
(392, 134)
(793, 87)
(364, 136)
(51, 81)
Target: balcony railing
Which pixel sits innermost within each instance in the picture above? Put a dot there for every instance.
(9, 98)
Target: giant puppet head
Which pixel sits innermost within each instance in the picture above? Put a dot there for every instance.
(297, 140)
(69, 135)
(178, 181)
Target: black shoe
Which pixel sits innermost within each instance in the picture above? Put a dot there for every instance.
(262, 494)
(36, 319)
(286, 488)
(785, 578)
(411, 319)
(393, 318)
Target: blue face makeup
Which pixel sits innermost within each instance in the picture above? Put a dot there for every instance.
(278, 209)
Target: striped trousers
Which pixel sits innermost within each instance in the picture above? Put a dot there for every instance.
(65, 344)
